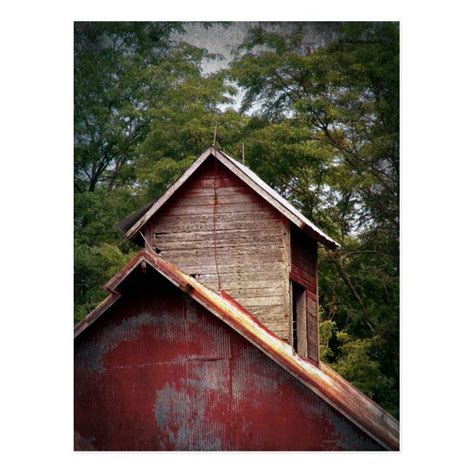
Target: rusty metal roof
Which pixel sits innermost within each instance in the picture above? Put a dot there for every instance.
(132, 224)
(319, 378)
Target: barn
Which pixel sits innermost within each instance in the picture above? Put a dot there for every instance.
(208, 339)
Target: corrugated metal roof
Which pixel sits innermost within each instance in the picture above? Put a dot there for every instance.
(319, 378)
(133, 223)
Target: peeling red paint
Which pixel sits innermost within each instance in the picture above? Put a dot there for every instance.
(319, 378)
(160, 372)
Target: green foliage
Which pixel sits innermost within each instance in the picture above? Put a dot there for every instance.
(130, 80)
(125, 74)
(358, 360)
(320, 124)
(346, 94)
(93, 266)
(327, 329)
(326, 135)
(359, 364)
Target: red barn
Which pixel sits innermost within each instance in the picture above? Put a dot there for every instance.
(209, 337)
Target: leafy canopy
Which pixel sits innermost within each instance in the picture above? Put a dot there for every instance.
(320, 123)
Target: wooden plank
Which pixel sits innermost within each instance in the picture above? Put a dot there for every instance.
(304, 264)
(311, 306)
(276, 325)
(187, 199)
(280, 329)
(207, 265)
(286, 279)
(182, 247)
(316, 354)
(302, 273)
(268, 313)
(207, 248)
(253, 301)
(312, 324)
(206, 239)
(239, 293)
(245, 281)
(208, 182)
(252, 254)
(312, 296)
(219, 234)
(255, 277)
(301, 325)
(205, 224)
(196, 190)
(300, 278)
(235, 268)
(249, 217)
(225, 255)
(235, 209)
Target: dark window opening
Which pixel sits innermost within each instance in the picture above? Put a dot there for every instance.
(298, 313)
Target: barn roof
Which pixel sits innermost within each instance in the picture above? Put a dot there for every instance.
(132, 224)
(319, 378)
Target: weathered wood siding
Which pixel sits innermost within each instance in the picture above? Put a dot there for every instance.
(238, 235)
(304, 271)
(159, 372)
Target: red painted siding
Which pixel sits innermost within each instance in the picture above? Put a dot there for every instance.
(159, 372)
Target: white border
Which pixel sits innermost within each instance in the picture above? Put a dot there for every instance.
(36, 247)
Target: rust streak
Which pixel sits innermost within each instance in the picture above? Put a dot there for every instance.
(362, 411)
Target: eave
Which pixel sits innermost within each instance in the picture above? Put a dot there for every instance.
(248, 177)
(319, 378)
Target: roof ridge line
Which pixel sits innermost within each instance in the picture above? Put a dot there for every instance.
(323, 381)
(251, 179)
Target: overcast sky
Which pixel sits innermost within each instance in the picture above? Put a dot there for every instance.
(222, 39)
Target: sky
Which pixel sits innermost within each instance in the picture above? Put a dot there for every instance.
(222, 39)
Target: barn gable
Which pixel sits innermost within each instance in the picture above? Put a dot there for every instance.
(131, 226)
(222, 224)
(317, 379)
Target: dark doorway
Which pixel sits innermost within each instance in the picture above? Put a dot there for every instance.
(298, 323)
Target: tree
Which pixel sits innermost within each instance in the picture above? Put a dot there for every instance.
(119, 68)
(325, 133)
(126, 75)
(319, 123)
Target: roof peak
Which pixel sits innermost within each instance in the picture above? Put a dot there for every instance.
(132, 224)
